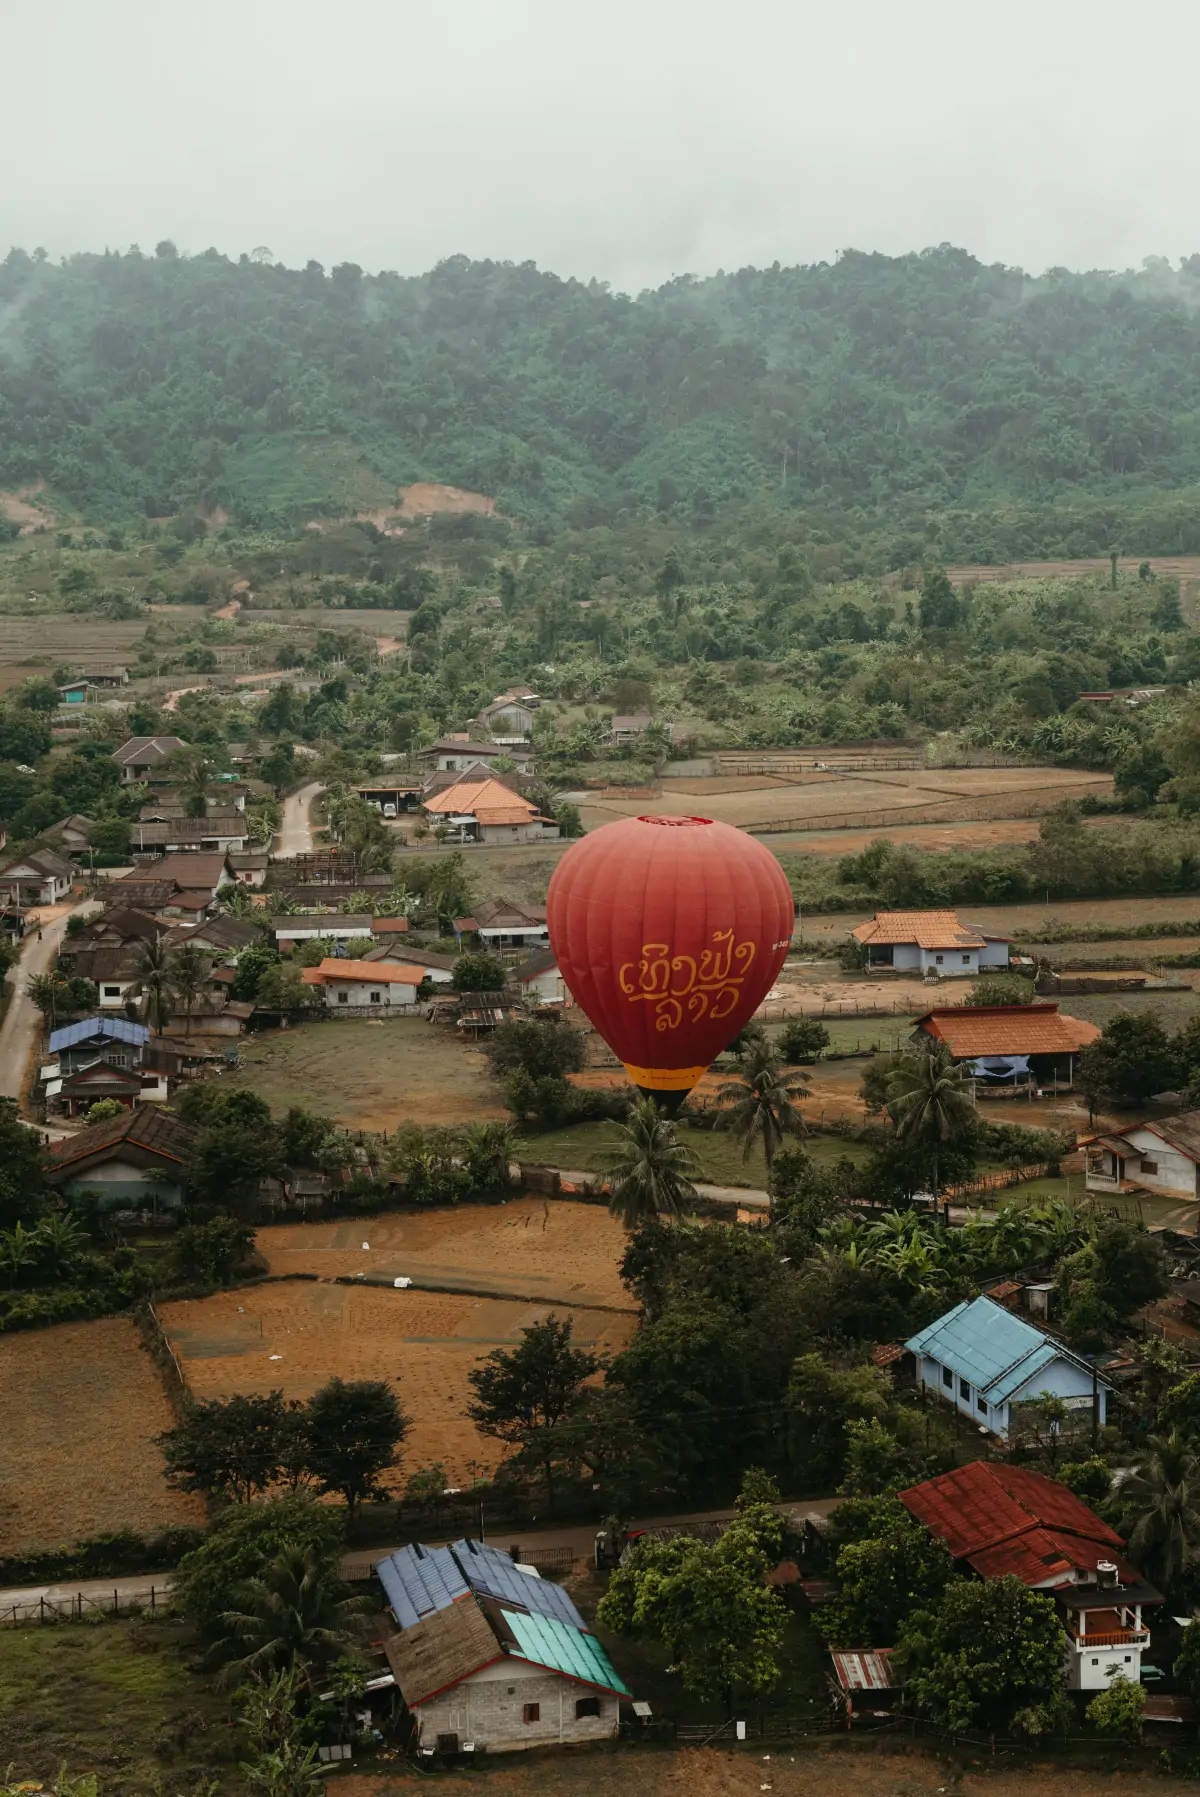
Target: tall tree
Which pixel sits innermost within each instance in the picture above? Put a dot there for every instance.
(1162, 1499)
(929, 1098)
(524, 1395)
(355, 1428)
(762, 1098)
(651, 1171)
(187, 976)
(294, 1613)
(153, 969)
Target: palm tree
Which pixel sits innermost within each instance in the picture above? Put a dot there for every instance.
(1164, 1493)
(293, 1614)
(153, 969)
(652, 1170)
(187, 974)
(929, 1099)
(763, 1096)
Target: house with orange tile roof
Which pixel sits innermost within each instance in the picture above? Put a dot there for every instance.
(488, 811)
(929, 942)
(372, 986)
(1023, 1044)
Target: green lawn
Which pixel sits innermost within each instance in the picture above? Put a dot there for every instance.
(1141, 1208)
(883, 1033)
(115, 1698)
(585, 1147)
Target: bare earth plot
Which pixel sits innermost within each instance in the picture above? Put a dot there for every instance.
(81, 1405)
(370, 1075)
(534, 1247)
(1006, 920)
(30, 645)
(295, 1337)
(714, 1772)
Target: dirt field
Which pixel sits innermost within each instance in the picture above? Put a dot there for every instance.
(562, 1253)
(955, 793)
(297, 1336)
(81, 1404)
(1186, 566)
(866, 1771)
(30, 645)
(370, 1075)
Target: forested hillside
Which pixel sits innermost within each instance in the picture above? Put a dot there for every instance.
(921, 402)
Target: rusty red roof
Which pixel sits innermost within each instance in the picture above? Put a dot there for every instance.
(981, 1030)
(1010, 1519)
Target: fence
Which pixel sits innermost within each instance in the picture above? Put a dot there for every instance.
(77, 1606)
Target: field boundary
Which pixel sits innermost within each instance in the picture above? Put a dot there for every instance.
(1033, 802)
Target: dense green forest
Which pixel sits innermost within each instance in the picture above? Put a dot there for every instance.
(903, 406)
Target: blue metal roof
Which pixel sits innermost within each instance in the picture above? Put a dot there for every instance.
(562, 1648)
(989, 1347)
(418, 1580)
(491, 1572)
(115, 1029)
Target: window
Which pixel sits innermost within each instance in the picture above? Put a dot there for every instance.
(947, 1377)
(964, 1389)
(1095, 1662)
(939, 959)
(982, 1407)
(531, 1712)
(966, 960)
(374, 998)
(112, 992)
(343, 998)
(1149, 1166)
(586, 1706)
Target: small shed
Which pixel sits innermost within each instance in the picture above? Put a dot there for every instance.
(866, 1683)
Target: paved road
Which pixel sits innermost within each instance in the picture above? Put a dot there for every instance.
(23, 1021)
(294, 835)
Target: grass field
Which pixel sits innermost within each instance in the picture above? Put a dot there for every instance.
(296, 1336)
(584, 1147)
(541, 1248)
(115, 1698)
(370, 1075)
(81, 1405)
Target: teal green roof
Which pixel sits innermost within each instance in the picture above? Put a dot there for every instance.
(560, 1648)
(993, 1350)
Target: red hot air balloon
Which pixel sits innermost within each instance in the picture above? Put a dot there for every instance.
(669, 933)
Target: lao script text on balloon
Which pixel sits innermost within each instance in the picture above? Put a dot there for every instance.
(711, 985)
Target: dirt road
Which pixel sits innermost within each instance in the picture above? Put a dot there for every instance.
(23, 1021)
(294, 835)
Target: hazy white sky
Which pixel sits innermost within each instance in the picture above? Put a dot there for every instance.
(627, 139)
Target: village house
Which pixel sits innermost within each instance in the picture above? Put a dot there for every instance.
(628, 728)
(492, 1658)
(71, 835)
(135, 1161)
(365, 985)
(1011, 1045)
(455, 753)
(391, 797)
(42, 877)
(221, 935)
(987, 1362)
(333, 926)
(249, 867)
(105, 674)
(215, 831)
(119, 927)
(1000, 1520)
(487, 811)
(169, 802)
(75, 692)
(116, 1040)
(509, 718)
(539, 979)
(929, 942)
(115, 973)
(140, 759)
(500, 924)
(437, 968)
(1162, 1156)
(191, 883)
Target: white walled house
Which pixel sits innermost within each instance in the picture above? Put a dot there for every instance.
(40, 878)
(491, 1658)
(455, 754)
(135, 1161)
(929, 942)
(1163, 1156)
(540, 980)
(373, 985)
(983, 1360)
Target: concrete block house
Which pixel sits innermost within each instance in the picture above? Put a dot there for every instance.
(492, 1658)
(985, 1361)
(929, 942)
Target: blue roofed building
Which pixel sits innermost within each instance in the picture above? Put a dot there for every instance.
(113, 1039)
(984, 1360)
(492, 1658)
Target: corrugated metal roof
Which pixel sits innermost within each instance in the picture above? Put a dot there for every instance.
(418, 1580)
(562, 1648)
(491, 1571)
(989, 1347)
(115, 1029)
(864, 1669)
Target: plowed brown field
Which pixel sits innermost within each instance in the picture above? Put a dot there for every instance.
(80, 1406)
(296, 1336)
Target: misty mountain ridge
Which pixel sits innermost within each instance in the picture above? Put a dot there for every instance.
(891, 390)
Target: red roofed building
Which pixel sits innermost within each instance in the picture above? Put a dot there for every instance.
(1027, 1044)
(373, 985)
(929, 942)
(1010, 1521)
(488, 811)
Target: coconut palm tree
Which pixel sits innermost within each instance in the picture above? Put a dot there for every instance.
(293, 1614)
(1164, 1496)
(153, 968)
(929, 1099)
(762, 1097)
(187, 974)
(652, 1171)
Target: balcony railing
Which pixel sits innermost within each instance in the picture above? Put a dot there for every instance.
(1118, 1638)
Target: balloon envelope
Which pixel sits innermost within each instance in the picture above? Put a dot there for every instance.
(669, 932)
